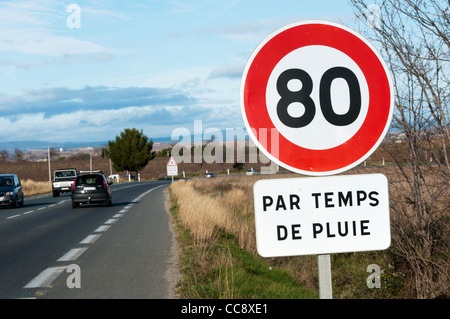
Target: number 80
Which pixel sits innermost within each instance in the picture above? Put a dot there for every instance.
(304, 96)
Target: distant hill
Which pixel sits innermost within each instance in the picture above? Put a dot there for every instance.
(37, 145)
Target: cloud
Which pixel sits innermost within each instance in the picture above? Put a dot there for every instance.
(28, 27)
(90, 125)
(249, 31)
(52, 101)
(67, 59)
(44, 43)
(227, 71)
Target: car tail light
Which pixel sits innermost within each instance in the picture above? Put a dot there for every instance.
(74, 182)
(105, 186)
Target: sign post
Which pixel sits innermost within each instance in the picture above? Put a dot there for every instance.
(325, 285)
(317, 99)
(172, 168)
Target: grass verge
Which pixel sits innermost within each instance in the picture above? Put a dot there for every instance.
(219, 268)
(215, 222)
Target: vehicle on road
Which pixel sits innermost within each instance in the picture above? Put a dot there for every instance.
(63, 180)
(11, 191)
(91, 187)
(251, 172)
(210, 175)
(115, 178)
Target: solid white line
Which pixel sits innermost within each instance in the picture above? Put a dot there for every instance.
(72, 254)
(13, 216)
(102, 228)
(46, 277)
(90, 239)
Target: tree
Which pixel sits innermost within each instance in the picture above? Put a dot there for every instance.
(130, 151)
(4, 155)
(18, 155)
(413, 37)
(53, 152)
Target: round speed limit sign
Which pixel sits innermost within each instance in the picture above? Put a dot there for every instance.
(316, 98)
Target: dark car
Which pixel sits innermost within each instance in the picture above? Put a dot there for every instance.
(11, 191)
(91, 187)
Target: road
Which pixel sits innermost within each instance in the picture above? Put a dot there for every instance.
(49, 250)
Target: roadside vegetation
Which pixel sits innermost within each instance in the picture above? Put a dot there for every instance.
(31, 188)
(215, 221)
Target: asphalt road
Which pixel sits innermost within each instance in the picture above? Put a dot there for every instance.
(49, 250)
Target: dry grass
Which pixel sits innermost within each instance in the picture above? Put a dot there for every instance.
(227, 206)
(207, 205)
(31, 187)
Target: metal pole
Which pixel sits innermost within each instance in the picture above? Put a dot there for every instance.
(325, 286)
(49, 170)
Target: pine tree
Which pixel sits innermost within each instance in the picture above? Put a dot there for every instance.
(130, 151)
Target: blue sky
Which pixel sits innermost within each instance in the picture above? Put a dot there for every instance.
(152, 65)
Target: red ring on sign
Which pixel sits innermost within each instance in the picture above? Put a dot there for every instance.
(379, 110)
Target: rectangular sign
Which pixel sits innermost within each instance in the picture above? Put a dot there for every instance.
(172, 170)
(321, 215)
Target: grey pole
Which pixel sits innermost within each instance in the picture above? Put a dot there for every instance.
(325, 286)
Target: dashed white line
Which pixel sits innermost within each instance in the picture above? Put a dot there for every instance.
(46, 277)
(13, 216)
(90, 239)
(110, 221)
(29, 212)
(102, 228)
(72, 254)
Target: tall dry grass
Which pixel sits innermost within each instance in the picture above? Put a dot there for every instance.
(207, 205)
(31, 188)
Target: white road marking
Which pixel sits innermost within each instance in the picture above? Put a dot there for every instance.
(110, 221)
(102, 228)
(13, 216)
(72, 254)
(46, 277)
(28, 212)
(90, 239)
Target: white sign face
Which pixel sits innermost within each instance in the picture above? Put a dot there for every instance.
(322, 215)
(172, 167)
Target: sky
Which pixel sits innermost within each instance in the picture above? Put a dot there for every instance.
(69, 75)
